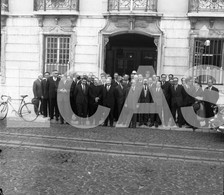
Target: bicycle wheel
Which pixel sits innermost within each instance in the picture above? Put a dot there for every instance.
(3, 110)
(29, 112)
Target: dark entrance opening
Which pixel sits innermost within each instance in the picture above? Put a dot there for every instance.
(124, 53)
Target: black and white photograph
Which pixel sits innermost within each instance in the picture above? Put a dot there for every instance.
(112, 97)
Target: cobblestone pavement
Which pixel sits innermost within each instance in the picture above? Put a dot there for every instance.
(137, 149)
(27, 171)
(146, 135)
(39, 163)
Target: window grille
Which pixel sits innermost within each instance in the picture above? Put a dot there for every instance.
(209, 59)
(57, 53)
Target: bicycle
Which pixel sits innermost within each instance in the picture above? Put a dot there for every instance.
(27, 111)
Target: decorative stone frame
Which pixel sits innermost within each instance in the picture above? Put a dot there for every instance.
(144, 25)
(212, 32)
(58, 30)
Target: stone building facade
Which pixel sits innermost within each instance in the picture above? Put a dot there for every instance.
(108, 35)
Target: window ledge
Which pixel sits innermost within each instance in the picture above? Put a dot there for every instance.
(132, 13)
(206, 14)
(56, 12)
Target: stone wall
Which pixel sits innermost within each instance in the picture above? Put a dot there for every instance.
(87, 47)
(176, 45)
(21, 55)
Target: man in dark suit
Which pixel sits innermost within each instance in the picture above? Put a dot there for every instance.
(120, 97)
(145, 97)
(81, 98)
(115, 83)
(131, 104)
(45, 93)
(157, 94)
(95, 98)
(177, 101)
(37, 92)
(166, 87)
(76, 80)
(109, 101)
(52, 86)
(211, 96)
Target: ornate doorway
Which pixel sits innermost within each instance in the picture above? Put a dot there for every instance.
(125, 52)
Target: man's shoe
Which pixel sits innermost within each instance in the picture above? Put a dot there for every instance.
(194, 128)
(151, 125)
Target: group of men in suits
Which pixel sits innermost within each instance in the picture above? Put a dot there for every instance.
(128, 99)
(45, 91)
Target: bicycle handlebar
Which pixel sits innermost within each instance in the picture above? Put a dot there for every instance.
(8, 97)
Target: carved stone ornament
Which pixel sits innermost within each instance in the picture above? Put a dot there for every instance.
(142, 24)
(58, 30)
(40, 21)
(156, 41)
(193, 23)
(211, 22)
(106, 40)
(216, 33)
(122, 24)
(73, 21)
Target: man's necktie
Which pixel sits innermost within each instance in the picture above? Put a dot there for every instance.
(84, 88)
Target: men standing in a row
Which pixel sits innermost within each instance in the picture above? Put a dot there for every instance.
(37, 92)
(52, 86)
(45, 93)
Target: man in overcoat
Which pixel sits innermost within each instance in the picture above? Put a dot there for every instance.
(52, 86)
(37, 92)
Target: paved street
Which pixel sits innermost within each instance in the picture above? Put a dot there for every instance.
(66, 160)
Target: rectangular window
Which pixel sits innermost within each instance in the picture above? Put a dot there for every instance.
(208, 59)
(57, 50)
